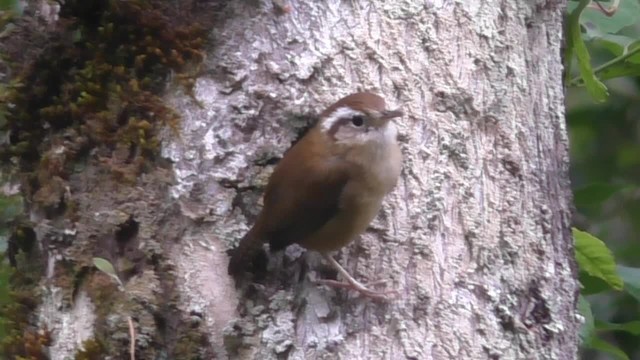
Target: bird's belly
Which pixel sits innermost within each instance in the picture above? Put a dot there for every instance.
(352, 219)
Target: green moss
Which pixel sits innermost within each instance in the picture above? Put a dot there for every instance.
(95, 88)
(5, 295)
(190, 344)
(102, 79)
(91, 349)
(20, 338)
(103, 293)
(111, 333)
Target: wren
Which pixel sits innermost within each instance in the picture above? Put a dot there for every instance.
(329, 186)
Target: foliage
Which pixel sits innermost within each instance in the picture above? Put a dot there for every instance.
(596, 259)
(603, 40)
(586, 24)
(106, 267)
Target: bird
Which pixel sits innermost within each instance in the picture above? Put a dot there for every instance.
(329, 186)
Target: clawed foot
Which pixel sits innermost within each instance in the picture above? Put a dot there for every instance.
(353, 284)
(362, 289)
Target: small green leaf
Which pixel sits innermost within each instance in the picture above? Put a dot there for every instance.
(596, 259)
(575, 45)
(595, 87)
(106, 267)
(632, 327)
(587, 330)
(631, 278)
(601, 345)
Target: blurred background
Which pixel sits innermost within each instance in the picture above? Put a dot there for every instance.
(605, 171)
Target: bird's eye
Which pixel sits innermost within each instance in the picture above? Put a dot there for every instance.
(357, 120)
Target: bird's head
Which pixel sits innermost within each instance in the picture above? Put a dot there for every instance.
(359, 119)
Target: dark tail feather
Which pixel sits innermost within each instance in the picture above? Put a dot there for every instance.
(247, 256)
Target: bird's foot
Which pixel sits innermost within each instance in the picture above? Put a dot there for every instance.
(361, 288)
(354, 284)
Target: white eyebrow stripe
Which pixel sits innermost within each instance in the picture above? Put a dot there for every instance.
(337, 114)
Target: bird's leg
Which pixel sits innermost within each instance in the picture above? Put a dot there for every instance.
(352, 283)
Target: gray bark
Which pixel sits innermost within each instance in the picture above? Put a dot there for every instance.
(476, 236)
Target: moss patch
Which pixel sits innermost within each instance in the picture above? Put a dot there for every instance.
(86, 112)
(98, 85)
(92, 349)
(21, 339)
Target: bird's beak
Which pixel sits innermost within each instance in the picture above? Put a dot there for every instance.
(390, 114)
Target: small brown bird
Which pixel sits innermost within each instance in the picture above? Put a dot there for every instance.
(329, 186)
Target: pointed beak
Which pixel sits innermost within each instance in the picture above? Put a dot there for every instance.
(390, 114)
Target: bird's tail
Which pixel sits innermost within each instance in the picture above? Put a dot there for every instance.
(248, 256)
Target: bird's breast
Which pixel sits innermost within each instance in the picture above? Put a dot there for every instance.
(374, 171)
(356, 211)
(359, 203)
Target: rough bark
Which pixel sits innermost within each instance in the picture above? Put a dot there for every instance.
(476, 236)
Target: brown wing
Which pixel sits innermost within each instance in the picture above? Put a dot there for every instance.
(303, 193)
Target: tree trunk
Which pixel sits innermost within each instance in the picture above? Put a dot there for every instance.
(475, 237)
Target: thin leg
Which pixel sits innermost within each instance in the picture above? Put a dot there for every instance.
(351, 282)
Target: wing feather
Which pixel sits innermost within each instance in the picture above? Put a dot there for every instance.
(303, 193)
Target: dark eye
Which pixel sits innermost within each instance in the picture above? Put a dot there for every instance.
(357, 120)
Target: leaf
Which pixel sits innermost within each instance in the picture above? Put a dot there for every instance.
(631, 279)
(621, 69)
(616, 44)
(575, 45)
(587, 330)
(634, 58)
(594, 194)
(596, 259)
(106, 267)
(592, 285)
(632, 327)
(601, 345)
